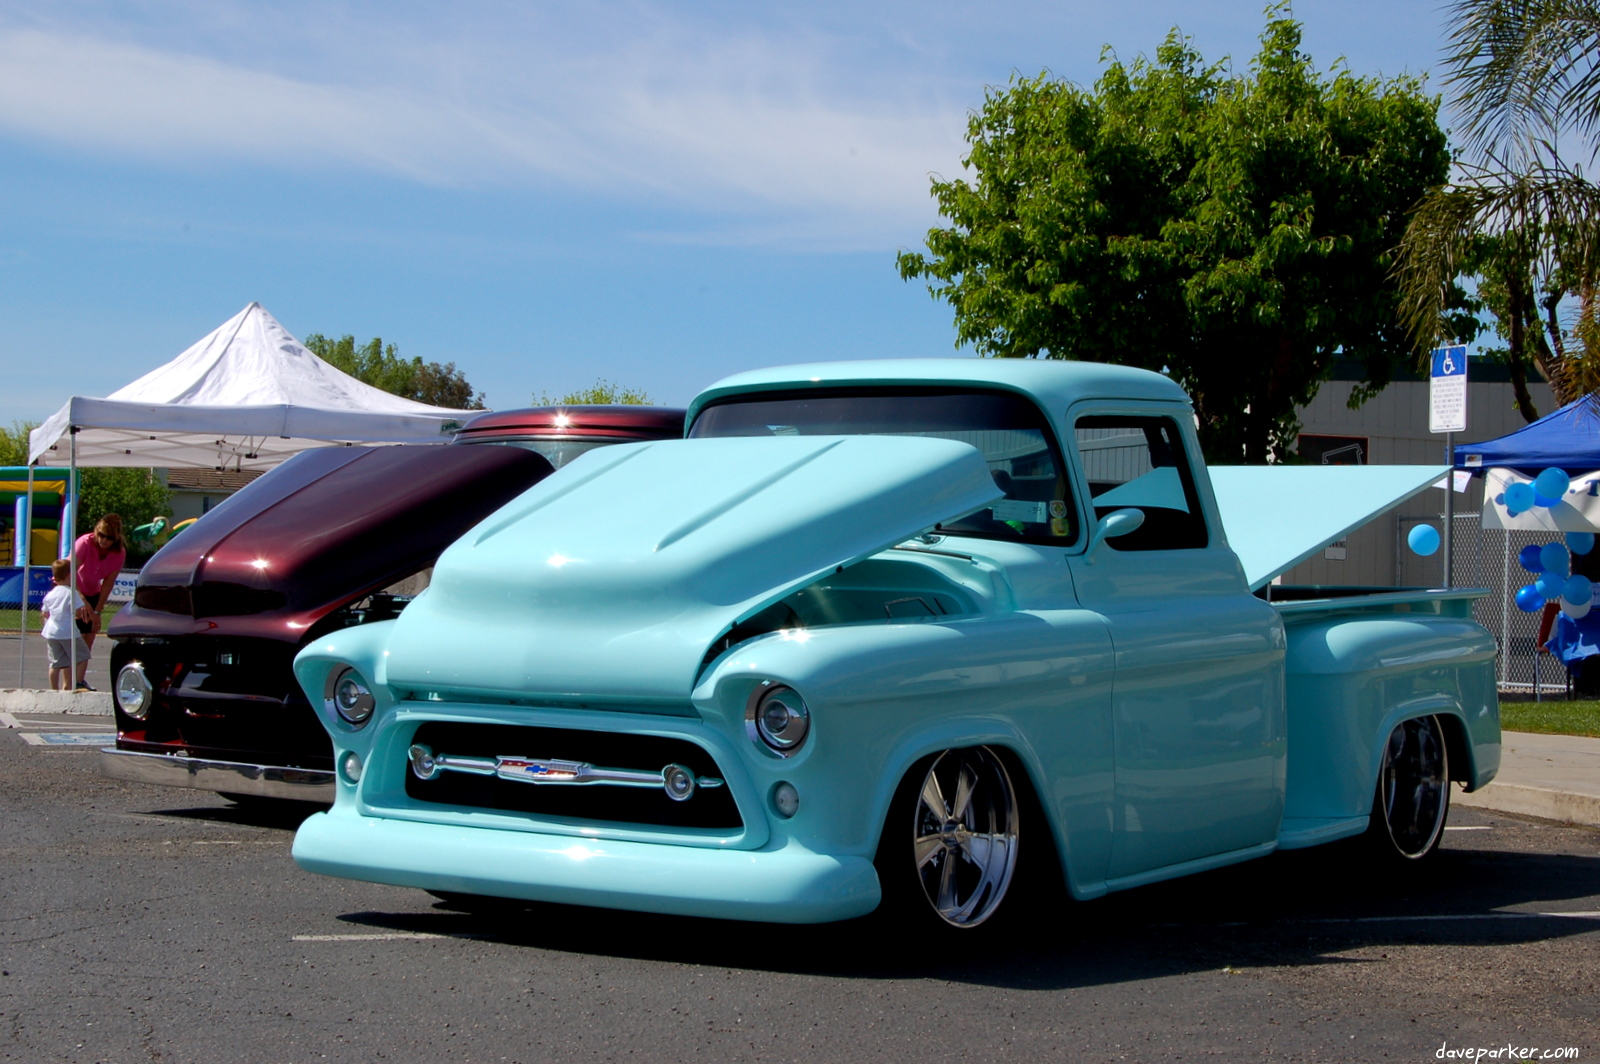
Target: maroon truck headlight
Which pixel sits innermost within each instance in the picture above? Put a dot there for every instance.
(132, 691)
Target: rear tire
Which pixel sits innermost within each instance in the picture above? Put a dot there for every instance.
(1413, 792)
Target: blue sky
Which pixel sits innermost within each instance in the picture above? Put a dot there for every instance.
(654, 193)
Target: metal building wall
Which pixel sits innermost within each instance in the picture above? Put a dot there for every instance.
(1395, 423)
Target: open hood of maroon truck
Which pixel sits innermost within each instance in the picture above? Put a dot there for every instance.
(323, 529)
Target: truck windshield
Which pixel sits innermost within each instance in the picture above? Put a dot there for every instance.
(557, 452)
(1009, 431)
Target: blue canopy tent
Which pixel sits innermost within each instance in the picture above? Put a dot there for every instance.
(1568, 439)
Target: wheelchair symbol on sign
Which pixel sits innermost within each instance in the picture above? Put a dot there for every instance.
(1448, 365)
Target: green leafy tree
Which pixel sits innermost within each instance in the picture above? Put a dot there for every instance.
(14, 443)
(601, 393)
(381, 366)
(1231, 231)
(137, 495)
(1518, 223)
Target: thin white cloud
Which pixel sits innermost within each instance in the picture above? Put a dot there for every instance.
(131, 99)
(748, 127)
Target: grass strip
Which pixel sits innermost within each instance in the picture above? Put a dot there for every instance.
(1552, 718)
(9, 621)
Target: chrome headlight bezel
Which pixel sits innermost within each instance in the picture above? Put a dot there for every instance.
(133, 684)
(776, 719)
(348, 697)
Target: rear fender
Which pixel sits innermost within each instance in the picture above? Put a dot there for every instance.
(1453, 721)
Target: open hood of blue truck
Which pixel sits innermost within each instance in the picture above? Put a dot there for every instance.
(611, 578)
(1278, 516)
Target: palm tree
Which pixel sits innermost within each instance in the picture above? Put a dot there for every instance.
(1524, 74)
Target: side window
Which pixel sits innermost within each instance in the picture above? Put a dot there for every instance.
(1138, 462)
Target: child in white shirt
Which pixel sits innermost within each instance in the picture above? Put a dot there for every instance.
(60, 607)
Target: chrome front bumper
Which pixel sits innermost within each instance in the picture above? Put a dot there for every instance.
(228, 777)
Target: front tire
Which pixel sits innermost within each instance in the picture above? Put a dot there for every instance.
(1413, 793)
(948, 855)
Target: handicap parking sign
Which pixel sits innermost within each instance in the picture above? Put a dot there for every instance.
(1447, 392)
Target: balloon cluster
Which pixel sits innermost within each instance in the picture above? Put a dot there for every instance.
(1553, 565)
(1546, 490)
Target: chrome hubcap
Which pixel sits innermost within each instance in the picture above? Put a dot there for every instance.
(1415, 782)
(965, 837)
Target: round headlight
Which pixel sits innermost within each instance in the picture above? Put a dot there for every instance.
(350, 765)
(777, 719)
(347, 694)
(133, 691)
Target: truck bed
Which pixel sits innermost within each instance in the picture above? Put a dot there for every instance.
(1358, 661)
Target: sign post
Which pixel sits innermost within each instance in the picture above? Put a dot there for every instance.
(1447, 413)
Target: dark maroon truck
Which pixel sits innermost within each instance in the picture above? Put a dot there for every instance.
(203, 688)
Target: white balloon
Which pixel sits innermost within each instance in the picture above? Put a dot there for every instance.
(1575, 610)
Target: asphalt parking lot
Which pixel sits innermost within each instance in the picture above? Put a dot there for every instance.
(145, 924)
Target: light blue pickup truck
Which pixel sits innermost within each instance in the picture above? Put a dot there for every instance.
(904, 633)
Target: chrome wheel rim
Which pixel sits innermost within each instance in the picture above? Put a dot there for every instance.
(965, 835)
(1414, 786)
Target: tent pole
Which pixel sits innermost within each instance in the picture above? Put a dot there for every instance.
(25, 541)
(71, 531)
(1505, 603)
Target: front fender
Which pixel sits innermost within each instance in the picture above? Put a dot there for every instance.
(883, 696)
(364, 648)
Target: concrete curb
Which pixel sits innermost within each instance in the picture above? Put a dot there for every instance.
(27, 700)
(1546, 803)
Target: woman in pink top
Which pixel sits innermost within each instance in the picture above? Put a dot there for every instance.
(100, 556)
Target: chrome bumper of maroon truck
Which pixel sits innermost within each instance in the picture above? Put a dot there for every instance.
(227, 777)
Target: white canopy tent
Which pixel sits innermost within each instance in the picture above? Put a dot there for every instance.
(247, 396)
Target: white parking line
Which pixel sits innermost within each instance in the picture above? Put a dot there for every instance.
(27, 722)
(1587, 915)
(1593, 914)
(1470, 827)
(63, 738)
(8, 721)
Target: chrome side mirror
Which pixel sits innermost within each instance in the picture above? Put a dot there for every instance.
(1115, 523)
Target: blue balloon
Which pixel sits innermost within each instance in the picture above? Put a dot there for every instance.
(1552, 484)
(1551, 585)
(1519, 497)
(1553, 558)
(1545, 501)
(1578, 590)
(1528, 599)
(1580, 542)
(1528, 558)
(1424, 539)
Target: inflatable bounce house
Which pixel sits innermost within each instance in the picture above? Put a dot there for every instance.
(34, 531)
